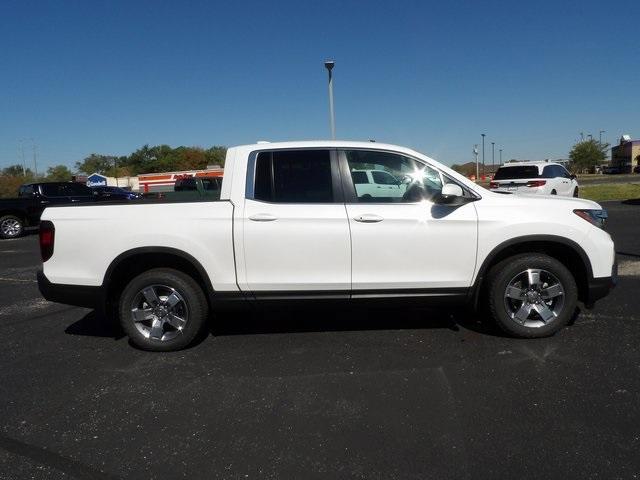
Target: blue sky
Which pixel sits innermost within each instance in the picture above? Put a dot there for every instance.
(107, 77)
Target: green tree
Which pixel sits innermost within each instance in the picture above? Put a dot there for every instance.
(587, 154)
(96, 163)
(58, 173)
(16, 171)
(11, 178)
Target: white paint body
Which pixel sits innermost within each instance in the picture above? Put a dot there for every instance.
(297, 247)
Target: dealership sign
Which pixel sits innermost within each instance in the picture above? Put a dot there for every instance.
(96, 180)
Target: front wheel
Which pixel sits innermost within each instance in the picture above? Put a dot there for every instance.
(531, 295)
(11, 226)
(163, 310)
(575, 192)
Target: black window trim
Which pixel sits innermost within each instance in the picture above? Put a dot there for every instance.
(349, 190)
(336, 181)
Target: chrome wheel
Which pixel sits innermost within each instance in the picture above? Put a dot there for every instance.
(534, 298)
(10, 227)
(159, 312)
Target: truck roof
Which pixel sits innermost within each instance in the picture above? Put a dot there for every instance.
(327, 144)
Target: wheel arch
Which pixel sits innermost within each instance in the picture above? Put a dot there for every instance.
(565, 250)
(138, 260)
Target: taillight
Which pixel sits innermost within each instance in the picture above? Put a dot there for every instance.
(536, 183)
(493, 185)
(47, 236)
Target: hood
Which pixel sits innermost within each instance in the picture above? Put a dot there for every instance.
(552, 201)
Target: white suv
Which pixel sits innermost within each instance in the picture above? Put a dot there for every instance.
(542, 178)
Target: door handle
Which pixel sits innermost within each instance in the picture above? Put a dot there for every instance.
(263, 217)
(368, 218)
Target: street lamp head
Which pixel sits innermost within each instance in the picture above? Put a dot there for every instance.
(329, 64)
(483, 134)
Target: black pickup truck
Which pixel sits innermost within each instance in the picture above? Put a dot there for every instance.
(33, 198)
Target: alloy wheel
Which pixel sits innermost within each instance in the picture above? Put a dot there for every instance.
(10, 227)
(534, 298)
(159, 312)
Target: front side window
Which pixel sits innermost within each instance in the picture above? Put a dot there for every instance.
(294, 176)
(397, 179)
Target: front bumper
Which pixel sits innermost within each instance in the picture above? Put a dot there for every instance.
(600, 287)
(78, 295)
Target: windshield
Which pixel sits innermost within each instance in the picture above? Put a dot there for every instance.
(522, 171)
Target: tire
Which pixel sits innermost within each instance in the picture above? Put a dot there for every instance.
(163, 310)
(11, 226)
(553, 192)
(521, 308)
(575, 192)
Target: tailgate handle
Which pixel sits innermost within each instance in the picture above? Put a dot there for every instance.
(368, 218)
(263, 217)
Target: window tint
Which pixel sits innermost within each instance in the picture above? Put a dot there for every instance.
(384, 178)
(359, 177)
(297, 176)
(512, 173)
(25, 191)
(52, 190)
(398, 179)
(76, 189)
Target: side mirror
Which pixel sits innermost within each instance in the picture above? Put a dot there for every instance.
(451, 193)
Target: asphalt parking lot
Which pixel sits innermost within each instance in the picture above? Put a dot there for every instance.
(294, 394)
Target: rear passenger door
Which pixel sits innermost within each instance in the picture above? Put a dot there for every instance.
(295, 228)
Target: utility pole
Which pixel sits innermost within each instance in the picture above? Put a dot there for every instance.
(35, 159)
(329, 64)
(475, 152)
(21, 150)
(582, 136)
(493, 157)
(500, 156)
(483, 135)
(601, 132)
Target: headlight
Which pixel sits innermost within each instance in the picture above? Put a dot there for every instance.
(594, 217)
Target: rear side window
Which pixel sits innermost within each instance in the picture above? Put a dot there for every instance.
(512, 173)
(52, 190)
(77, 190)
(296, 176)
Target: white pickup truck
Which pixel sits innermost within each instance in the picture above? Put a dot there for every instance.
(289, 225)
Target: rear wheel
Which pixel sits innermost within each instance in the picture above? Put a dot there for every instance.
(531, 295)
(11, 226)
(163, 310)
(575, 192)
(553, 192)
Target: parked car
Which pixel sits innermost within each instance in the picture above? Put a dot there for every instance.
(369, 182)
(18, 213)
(541, 178)
(115, 193)
(289, 225)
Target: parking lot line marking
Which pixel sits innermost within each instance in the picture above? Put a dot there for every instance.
(19, 280)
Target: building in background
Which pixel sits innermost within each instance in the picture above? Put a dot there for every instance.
(164, 182)
(626, 155)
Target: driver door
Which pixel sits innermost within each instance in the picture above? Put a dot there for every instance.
(407, 242)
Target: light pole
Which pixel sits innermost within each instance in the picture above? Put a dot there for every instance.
(500, 156)
(601, 132)
(483, 135)
(493, 156)
(475, 152)
(329, 64)
(590, 137)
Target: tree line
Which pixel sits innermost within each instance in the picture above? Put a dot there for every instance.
(147, 159)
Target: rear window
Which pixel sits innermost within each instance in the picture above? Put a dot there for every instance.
(297, 176)
(510, 173)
